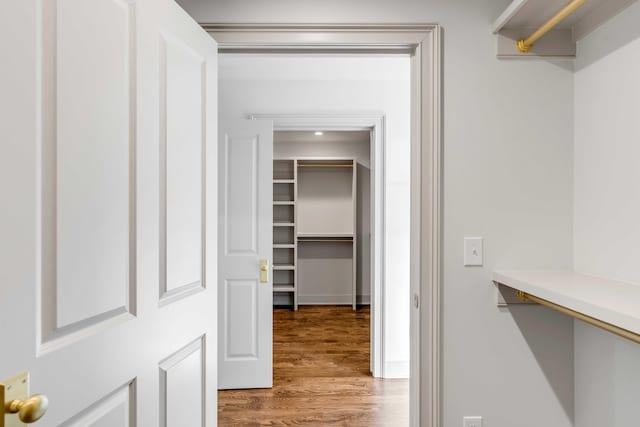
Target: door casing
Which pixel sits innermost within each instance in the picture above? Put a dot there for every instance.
(423, 43)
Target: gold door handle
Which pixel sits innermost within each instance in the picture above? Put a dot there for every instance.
(29, 410)
(264, 270)
(17, 405)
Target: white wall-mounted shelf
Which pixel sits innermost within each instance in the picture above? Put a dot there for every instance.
(522, 17)
(611, 302)
(324, 235)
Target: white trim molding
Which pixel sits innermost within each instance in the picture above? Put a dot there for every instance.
(423, 43)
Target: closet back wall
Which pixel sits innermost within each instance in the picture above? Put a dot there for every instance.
(354, 145)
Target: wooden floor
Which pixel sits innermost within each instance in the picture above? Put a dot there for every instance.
(320, 376)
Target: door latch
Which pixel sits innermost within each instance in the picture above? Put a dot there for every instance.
(264, 270)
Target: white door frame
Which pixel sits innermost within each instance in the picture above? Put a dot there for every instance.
(373, 123)
(423, 43)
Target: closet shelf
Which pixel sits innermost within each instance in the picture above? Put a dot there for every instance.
(284, 224)
(283, 246)
(608, 304)
(284, 288)
(324, 235)
(280, 267)
(283, 203)
(560, 24)
(284, 181)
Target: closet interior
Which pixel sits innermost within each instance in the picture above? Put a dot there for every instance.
(316, 218)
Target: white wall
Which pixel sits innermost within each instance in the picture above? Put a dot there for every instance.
(351, 145)
(607, 211)
(508, 171)
(317, 84)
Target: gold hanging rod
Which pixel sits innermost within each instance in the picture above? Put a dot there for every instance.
(524, 45)
(324, 165)
(624, 333)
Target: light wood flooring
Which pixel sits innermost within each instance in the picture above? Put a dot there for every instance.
(320, 376)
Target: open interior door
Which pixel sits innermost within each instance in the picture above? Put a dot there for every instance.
(108, 177)
(245, 295)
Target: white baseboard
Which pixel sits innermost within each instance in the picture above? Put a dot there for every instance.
(324, 299)
(283, 299)
(332, 299)
(396, 369)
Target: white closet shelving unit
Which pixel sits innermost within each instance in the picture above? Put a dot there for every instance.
(326, 213)
(284, 229)
(314, 213)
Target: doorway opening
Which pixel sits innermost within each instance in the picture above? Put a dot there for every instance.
(423, 43)
(330, 185)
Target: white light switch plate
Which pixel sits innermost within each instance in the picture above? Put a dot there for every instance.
(472, 251)
(472, 422)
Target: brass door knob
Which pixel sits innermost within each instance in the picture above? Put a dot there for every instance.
(29, 410)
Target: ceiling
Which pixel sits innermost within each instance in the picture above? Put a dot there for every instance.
(331, 136)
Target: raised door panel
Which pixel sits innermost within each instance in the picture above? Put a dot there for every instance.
(87, 186)
(241, 320)
(182, 380)
(114, 410)
(182, 152)
(241, 195)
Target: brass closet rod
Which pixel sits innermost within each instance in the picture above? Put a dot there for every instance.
(621, 332)
(524, 45)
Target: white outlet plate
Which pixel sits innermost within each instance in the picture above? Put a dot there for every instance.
(472, 251)
(472, 422)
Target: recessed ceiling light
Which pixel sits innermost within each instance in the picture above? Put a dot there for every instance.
(318, 133)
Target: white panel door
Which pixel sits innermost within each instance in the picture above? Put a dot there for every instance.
(108, 218)
(246, 234)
